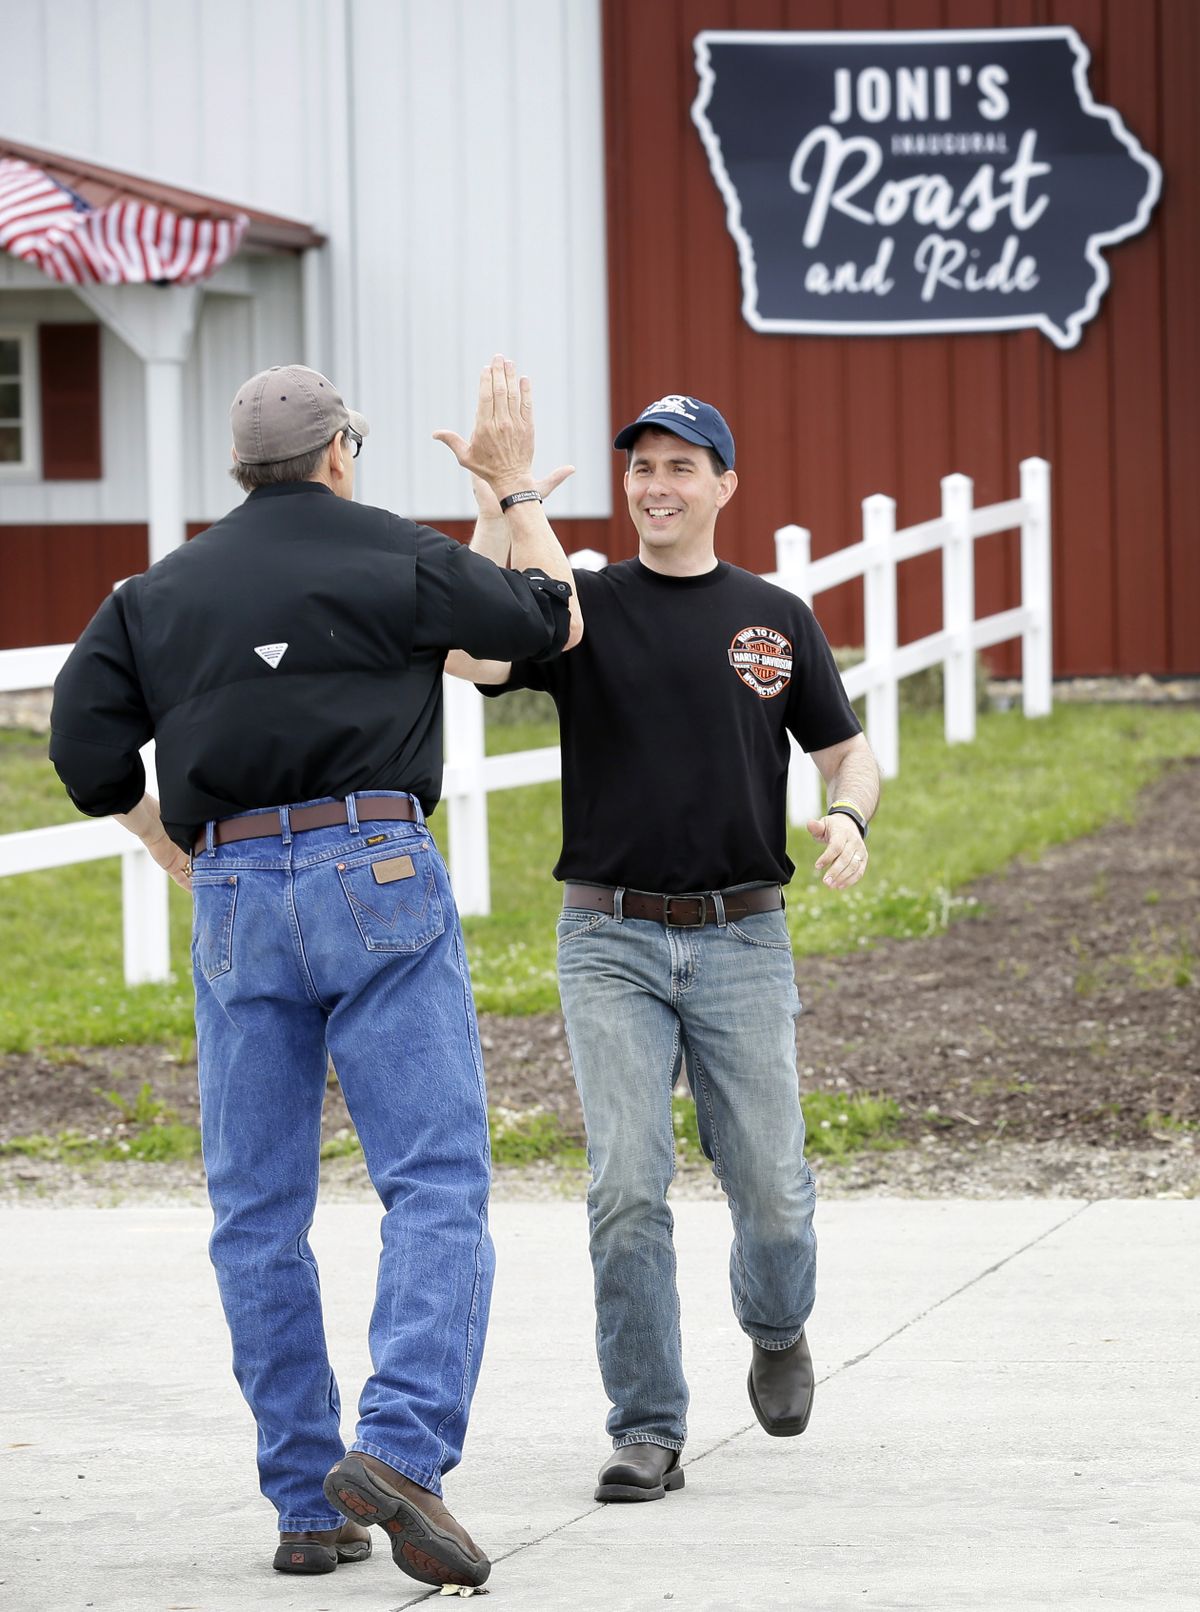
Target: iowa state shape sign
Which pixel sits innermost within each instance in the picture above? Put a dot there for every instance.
(896, 183)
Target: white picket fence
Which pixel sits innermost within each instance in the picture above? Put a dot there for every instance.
(885, 664)
(143, 883)
(471, 775)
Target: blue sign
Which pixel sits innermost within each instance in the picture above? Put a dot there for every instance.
(900, 183)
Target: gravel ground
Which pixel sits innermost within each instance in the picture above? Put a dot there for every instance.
(933, 1170)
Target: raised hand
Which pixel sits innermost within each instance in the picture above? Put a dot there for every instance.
(500, 451)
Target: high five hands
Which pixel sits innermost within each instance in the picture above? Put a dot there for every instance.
(500, 452)
(844, 861)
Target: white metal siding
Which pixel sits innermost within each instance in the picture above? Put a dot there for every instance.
(236, 334)
(121, 494)
(222, 96)
(452, 150)
(488, 236)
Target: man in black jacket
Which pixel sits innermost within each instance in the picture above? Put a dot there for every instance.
(288, 664)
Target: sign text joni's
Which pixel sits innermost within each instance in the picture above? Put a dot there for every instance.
(896, 182)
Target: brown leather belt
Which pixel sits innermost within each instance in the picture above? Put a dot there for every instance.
(677, 912)
(262, 825)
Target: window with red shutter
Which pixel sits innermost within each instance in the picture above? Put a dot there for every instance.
(18, 399)
(69, 376)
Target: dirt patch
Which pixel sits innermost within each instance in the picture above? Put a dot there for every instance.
(1065, 1015)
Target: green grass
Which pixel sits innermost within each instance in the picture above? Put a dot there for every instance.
(157, 1145)
(834, 1125)
(1167, 961)
(533, 1136)
(954, 814)
(150, 1131)
(1168, 1125)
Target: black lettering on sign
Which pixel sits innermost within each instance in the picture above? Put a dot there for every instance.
(886, 183)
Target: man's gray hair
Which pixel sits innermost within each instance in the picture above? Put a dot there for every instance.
(248, 477)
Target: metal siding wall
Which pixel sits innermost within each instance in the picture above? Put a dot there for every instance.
(1179, 47)
(822, 422)
(201, 93)
(120, 495)
(235, 336)
(212, 94)
(479, 226)
(1131, 69)
(66, 573)
(464, 204)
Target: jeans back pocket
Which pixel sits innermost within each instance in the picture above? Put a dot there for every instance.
(214, 902)
(394, 898)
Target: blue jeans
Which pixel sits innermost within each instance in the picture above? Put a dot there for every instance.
(637, 997)
(299, 953)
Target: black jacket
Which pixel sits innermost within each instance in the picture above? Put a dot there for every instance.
(294, 650)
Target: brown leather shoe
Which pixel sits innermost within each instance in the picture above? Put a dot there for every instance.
(321, 1552)
(639, 1472)
(428, 1543)
(781, 1385)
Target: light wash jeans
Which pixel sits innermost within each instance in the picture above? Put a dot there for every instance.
(637, 996)
(297, 951)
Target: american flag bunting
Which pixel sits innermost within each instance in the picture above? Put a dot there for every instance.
(127, 242)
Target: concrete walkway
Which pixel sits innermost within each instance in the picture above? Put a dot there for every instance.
(1008, 1417)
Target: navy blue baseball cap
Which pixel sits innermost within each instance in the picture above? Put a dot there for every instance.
(688, 418)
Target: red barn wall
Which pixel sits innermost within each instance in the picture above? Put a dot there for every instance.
(822, 422)
(57, 577)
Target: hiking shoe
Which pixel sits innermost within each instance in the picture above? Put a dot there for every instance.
(321, 1552)
(428, 1543)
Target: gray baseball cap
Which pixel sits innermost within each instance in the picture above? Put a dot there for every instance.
(285, 411)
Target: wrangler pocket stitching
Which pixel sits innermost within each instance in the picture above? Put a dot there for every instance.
(403, 916)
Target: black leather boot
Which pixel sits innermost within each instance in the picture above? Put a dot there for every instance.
(781, 1385)
(639, 1472)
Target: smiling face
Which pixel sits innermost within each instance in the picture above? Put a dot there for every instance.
(675, 495)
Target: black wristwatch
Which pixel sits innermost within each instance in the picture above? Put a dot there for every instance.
(529, 496)
(852, 812)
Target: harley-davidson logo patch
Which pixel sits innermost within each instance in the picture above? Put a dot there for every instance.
(762, 658)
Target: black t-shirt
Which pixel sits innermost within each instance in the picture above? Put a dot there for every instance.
(674, 713)
(293, 650)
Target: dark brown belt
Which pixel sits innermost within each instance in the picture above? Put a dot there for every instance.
(262, 825)
(677, 912)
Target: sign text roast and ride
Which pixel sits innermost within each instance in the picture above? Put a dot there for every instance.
(895, 182)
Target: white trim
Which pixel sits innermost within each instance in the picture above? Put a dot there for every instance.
(1062, 336)
(29, 467)
(35, 667)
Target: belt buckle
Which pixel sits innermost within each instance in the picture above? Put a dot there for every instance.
(679, 923)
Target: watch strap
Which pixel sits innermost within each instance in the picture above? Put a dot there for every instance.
(529, 496)
(846, 808)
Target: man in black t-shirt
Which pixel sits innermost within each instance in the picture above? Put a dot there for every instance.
(288, 662)
(675, 714)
